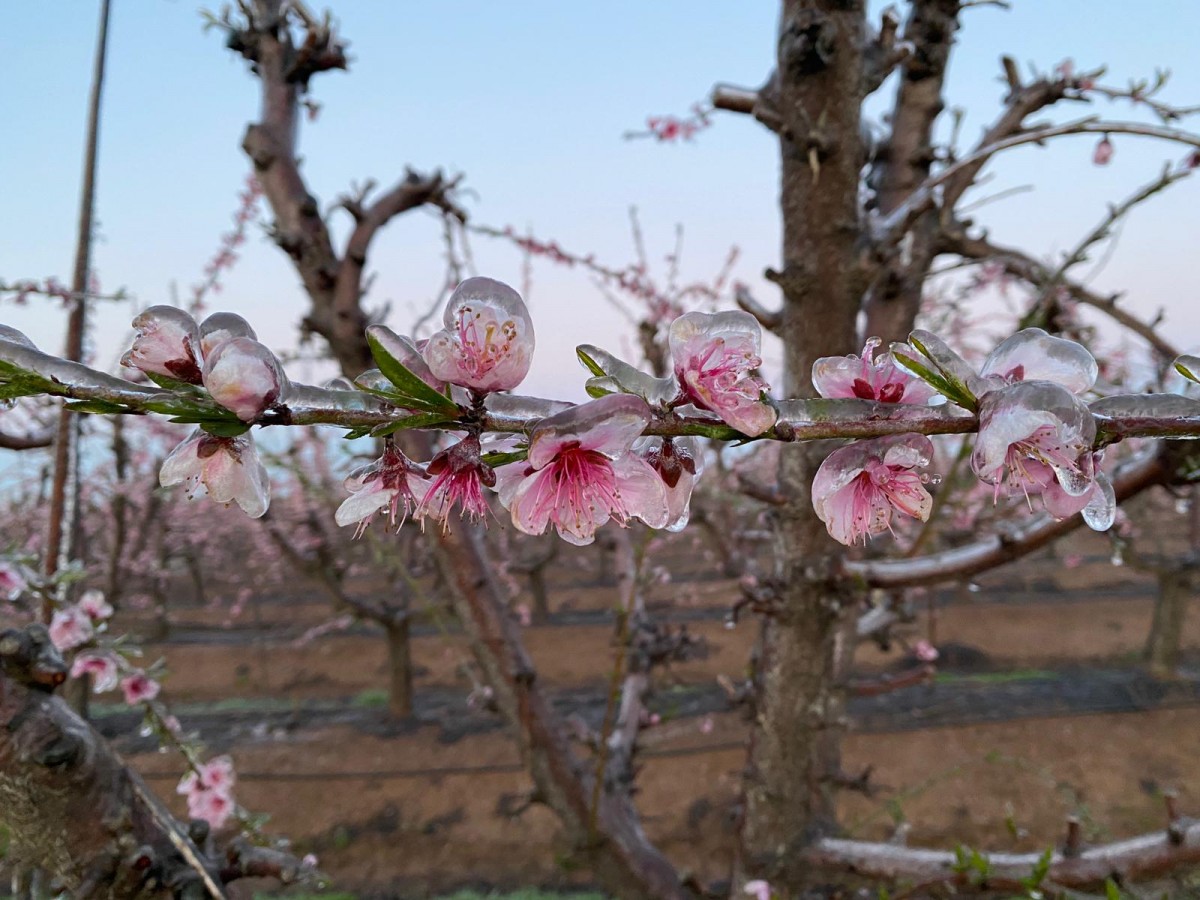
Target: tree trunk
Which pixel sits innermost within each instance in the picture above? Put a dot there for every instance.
(1166, 631)
(400, 679)
(795, 751)
(538, 592)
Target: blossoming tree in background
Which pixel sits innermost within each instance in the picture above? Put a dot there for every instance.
(1037, 433)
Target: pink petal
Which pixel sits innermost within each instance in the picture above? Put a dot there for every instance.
(608, 425)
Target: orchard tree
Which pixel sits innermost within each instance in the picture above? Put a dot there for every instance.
(862, 229)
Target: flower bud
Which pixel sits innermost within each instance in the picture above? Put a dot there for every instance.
(243, 376)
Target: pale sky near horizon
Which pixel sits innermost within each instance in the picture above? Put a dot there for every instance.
(529, 102)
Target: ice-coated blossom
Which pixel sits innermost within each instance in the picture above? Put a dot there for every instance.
(167, 343)
(70, 628)
(580, 472)
(139, 688)
(228, 468)
(714, 356)
(1033, 355)
(12, 582)
(679, 464)
(459, 477)
(221, 327)
(243, 376)
(1037, 437)
(857, 487)
(93, 603)
(487, 344)
(101, 666)
(391, 483)
(868, 377)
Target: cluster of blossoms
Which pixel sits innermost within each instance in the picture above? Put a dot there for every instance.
(240, 374)
(208, 788)
(1035, 432)
(579, 466)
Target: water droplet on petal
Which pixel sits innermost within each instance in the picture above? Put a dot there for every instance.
(935, 479)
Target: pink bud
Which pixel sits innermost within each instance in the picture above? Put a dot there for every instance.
(139, 688)
(167, 343)
(243, 376)
(1103, 153)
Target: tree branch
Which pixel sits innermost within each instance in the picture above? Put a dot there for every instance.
(1021, 265)
(1143, 857)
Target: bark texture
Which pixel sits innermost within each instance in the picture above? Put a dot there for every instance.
(794, 756)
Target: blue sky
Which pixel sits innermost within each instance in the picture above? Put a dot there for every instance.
(529, 101)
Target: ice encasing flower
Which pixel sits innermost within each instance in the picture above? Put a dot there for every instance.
(243, 376)
(459, 477)
(679, 463)
(487, 344)
(1033, 355)
(100, 665)
(858, 487)
(869, 378)
(714, 356)
(1034, 436)
(221, 327)
(580, 472)
(70, 628)
(167, 343)
(228, 468)
(391, 483)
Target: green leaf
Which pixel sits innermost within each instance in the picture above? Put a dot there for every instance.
(355, 433)
(954, 391)
(497, 458)
(1188, 368)
(588, 363)
(1111, 891)
(172, 384)
(96, 407)
(413, 392)
(595, 389)
(225, 429)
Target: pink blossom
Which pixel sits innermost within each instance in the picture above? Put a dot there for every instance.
(139, 688)
(1033, 355)
(706, 725)
(1072, 561)
(867, 378)
(228, 468)
(487, 344)
(758, 889)
(221, 327)
(679, 464)
(925, 651)
(100, 665)
(243, 376)
(167, 343)
(580, 472)
(97, 608)
(857, 487)
(460, 475)
(309, 861)
(215, 775)
(213, 807)
(1103, 153)
(715, 356)
(390, 483)
(70, 628)
(12, 582)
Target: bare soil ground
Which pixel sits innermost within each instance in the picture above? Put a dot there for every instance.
(1039, 712)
